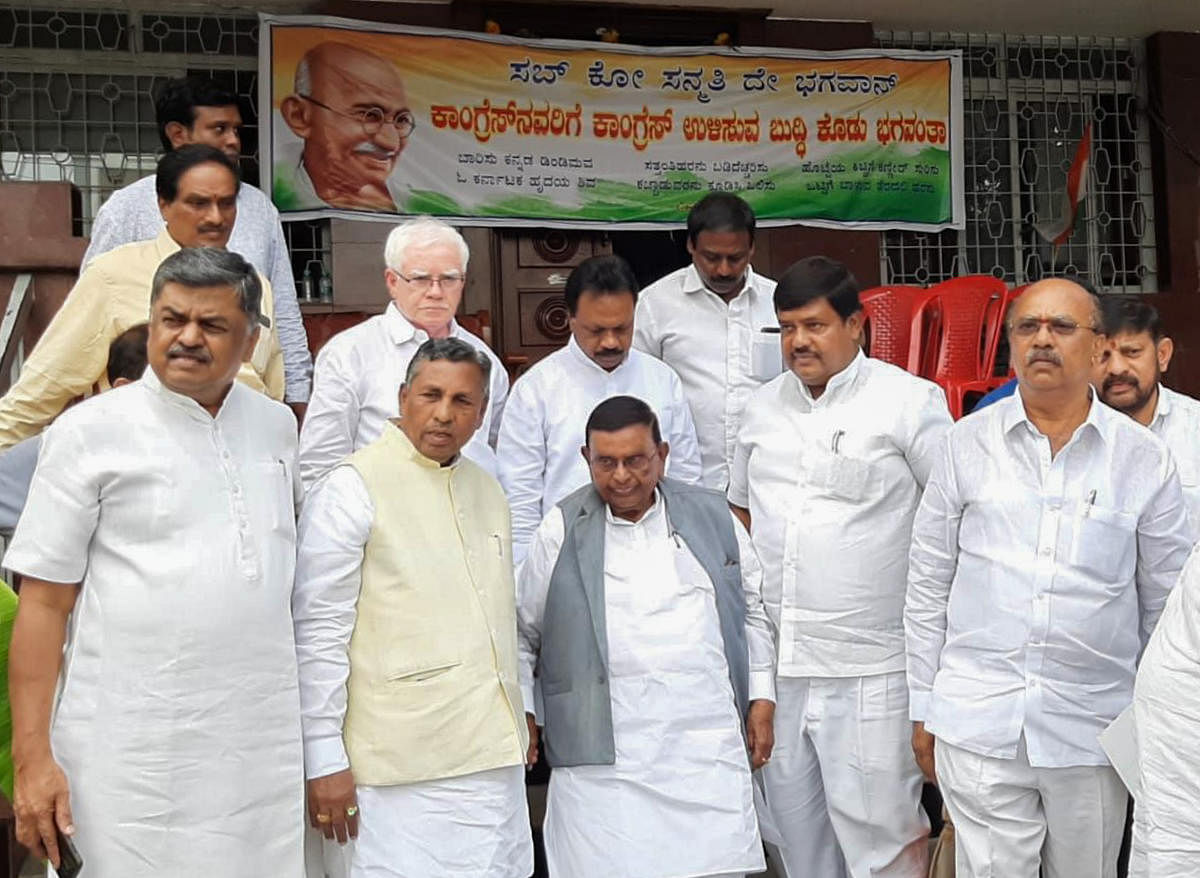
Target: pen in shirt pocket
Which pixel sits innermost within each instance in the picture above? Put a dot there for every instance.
(499, 545)
(837, 441)
(1091, 501)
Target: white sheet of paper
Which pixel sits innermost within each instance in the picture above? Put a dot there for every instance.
(1120, 745)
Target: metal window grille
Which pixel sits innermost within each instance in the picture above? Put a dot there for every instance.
(77, 98)
(1026, 103)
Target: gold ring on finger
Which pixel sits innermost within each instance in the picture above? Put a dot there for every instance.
(323, 818)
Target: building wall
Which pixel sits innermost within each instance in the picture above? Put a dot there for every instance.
(1174, 62)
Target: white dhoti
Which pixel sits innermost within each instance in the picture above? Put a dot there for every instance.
(1013, 819)
(842, 792)
(678, 801)
(475, 826)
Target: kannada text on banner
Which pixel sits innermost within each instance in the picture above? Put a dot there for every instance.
(367, 120)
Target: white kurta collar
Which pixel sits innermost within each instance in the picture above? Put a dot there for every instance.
(1162, 409)
(692, 282)
(402, 331)
(585, 362)
(183, 403)
(653, 512)
(1015, 414)
(835, 386)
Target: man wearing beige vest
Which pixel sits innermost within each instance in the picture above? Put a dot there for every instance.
(405, 623)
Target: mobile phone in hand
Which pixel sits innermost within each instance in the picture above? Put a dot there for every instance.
(70, 864)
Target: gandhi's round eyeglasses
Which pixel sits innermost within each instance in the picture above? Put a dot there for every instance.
(373, 118)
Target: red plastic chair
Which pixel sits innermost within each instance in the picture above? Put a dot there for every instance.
(971, 311)
(888, 316)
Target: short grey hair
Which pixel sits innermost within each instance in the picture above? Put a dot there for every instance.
(424, 231)
(454, 350)
(212, 267)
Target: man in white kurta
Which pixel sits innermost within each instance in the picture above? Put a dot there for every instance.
(675, 799)
(1049, 536)
(406, 636)
(831, 461)
(541, 434)
(1129, 378)
(358, 372)
(170, 505)
(713, 322)
(1166, 709)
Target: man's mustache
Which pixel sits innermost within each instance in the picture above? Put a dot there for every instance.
(1043, 355)
(374, 151)
(200, 355)
(1113, 380)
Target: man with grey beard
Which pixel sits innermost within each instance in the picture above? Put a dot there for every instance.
(1046, 543)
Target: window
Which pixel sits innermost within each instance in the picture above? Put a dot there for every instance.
(1027, 101)
(77, 99)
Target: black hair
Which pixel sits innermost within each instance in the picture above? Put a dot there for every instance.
(199, 267)
(602, 275)
(720, 212)
(173, 165)
(617, 413)
(453, 350)
(127, 354)
(177, 100)
(1130, 314)
(818, 277)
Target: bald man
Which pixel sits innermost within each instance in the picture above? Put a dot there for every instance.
(1048, 538)
(351, 120)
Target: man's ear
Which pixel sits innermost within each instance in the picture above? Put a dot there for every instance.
(295, 113)
(251, 341)
(177, 134)
(1165, 350)
(855, 324)
(664, 448)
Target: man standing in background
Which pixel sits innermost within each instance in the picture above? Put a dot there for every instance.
(197, 110)
(542, 430)
(706, 322)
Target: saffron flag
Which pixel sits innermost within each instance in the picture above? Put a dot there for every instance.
(1058, 231)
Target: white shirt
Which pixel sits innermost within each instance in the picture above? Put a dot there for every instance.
(543, 429)
(717, 348)
(179, 711)
(681, 760)
(409, 829)
(356, 389)
(1176, 422)
(1034, 582)
(832, 485)
(131, 214)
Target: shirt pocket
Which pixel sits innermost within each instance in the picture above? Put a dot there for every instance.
(843, 478)
(1102, 544)
(766, 355)
(270, 496)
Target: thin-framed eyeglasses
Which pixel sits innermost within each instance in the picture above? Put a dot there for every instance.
(638, 464)
(423, 283)
(372, 119)
(1064, 327)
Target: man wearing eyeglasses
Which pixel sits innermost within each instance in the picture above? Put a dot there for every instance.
(359, 371)
(640, 608)
(1049, 536)
(351, 115)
